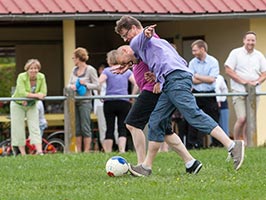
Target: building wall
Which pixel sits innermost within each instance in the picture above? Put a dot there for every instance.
(258, 25)
(43, 43)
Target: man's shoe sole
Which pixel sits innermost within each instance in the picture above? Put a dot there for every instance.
(197, 169)
(134, 173)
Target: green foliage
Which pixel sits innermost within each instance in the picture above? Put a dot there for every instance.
(7, 80)
(83, 176)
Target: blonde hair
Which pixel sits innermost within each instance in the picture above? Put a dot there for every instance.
(111, 58)
(82, 54)
(31, 62)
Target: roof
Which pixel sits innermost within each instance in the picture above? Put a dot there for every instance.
(108, 9)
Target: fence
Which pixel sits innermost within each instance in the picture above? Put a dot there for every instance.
(69, 111)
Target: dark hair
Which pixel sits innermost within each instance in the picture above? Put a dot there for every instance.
(200, 44)
(249, 32)
(126, 22)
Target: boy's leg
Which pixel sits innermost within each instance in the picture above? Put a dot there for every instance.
(137, 118)
(139, 141)
(176, 144)
(180, 95)
(193, 166)
(144, 169)
(158, 122)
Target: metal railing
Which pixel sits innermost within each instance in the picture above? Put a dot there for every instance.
(69, 111)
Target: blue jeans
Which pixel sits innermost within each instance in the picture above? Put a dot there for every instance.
(177, 93)
(224, 120)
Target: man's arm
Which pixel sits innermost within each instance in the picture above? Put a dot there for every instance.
(259, 81)
(135, 89)
(234, 76)
(197, 79)
(149, 30)
(120, 69)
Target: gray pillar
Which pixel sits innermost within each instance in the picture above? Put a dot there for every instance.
(251, 108)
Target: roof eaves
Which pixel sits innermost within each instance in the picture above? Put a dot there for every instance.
(115, 16)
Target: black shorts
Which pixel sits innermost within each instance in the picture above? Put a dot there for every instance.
(141, 110)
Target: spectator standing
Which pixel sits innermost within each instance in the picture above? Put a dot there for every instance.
(98, 110)
(205, 69)
(116, 84)
(31, 84)
(221, 88)
(83, 80)
(245, 66)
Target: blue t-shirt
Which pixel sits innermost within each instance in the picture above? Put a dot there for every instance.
(159, 55)
(116, 84)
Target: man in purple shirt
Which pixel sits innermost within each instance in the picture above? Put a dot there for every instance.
(145, 104)
(176, 83)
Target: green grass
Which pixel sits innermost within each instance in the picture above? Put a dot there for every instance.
(83, 176)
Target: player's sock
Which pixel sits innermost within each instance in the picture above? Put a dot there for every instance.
(232, 145)
(190, 163)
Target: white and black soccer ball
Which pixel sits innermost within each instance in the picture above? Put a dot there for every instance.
(116, 166)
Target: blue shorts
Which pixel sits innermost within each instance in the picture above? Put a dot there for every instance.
(177, 94)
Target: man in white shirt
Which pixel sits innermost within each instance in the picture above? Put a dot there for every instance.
(245, 66)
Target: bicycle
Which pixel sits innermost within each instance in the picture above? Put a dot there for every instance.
(49, 146)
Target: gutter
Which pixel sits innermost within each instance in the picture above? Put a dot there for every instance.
(115, 16)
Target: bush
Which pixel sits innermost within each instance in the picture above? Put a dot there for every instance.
(7, 80)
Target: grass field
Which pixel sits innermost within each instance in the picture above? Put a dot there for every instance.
(83, 176)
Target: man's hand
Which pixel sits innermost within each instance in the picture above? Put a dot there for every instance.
(156, 88)
(253, 83)
(149, 76)
(149, 31)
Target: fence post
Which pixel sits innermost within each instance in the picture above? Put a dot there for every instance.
(251, 113)
(69, 122)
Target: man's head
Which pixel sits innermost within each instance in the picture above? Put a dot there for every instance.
(249, 41)
(128, 27)
(125, 56)
(199, 49)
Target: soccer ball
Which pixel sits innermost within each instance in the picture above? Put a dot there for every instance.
(116, 166)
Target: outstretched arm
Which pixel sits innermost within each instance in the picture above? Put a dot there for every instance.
(149, 30)
(120, 69)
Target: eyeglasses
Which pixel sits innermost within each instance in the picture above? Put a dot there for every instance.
(125, 35)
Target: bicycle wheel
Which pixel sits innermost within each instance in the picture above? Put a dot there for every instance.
(54, 145)
(6, 148)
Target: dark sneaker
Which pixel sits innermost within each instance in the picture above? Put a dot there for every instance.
(195, 168)
(237, 153)
(139, 170)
